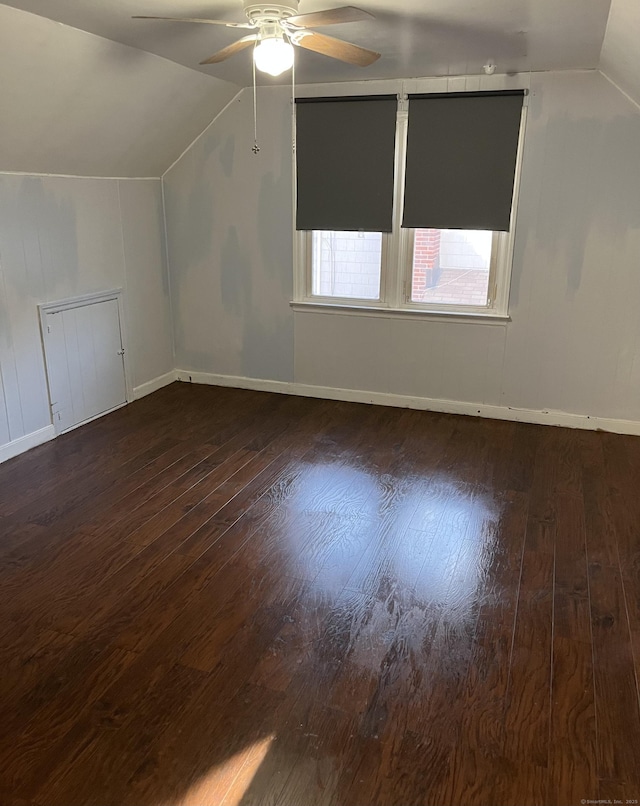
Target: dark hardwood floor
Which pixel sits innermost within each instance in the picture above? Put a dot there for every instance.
(216, 596)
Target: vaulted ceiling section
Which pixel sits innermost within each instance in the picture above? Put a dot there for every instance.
(75, 103)
(621, 49)
(89, 91)
(416, 38)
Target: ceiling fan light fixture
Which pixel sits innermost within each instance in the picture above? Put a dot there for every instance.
(273, 55)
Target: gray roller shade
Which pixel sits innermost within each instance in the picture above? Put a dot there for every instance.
(345, 160)
(461, 160)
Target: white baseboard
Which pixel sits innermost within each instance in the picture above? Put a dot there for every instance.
(561, 418)
(32, 440)
(567, 419)
(239, 382)
(153, 385)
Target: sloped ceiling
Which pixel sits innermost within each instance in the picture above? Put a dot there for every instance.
(104, 95)
(74, 103)
(416, 37)
(621, 49)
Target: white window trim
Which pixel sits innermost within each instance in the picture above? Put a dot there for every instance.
(396, 269)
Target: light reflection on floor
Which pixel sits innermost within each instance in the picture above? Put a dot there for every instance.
(428, 535)
(397, 556)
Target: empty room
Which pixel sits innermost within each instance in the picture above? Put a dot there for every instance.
(319, 403)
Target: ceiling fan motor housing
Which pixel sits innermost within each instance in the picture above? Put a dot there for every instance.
(259, 13)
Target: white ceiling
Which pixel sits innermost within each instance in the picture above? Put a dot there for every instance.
(621, 49)
(416, 37)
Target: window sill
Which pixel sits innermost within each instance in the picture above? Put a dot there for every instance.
(475, 317)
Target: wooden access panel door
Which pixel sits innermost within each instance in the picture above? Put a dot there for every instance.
(85, 362)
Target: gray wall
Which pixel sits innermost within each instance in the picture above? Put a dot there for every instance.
(229, 233)
(63, 237)
(573, 342)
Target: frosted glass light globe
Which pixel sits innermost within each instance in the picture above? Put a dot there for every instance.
(273, 56)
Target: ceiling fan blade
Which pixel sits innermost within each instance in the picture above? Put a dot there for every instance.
(188, 19)
(333, 16)
(335, 48)
(223, 54)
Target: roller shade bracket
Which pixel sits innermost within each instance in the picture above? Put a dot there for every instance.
(347, 98)
(475, 94)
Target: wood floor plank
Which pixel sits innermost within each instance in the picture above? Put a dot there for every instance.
(216, 596)
(54, 717)
(202, 738)
(109, 533)
(478, 760)
(572, 741)
(528, 706)
(128, 475)
(106, 758)
(617, 705)
(28, 654)
(118, 439)
(622, 462)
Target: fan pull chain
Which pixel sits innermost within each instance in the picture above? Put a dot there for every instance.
(293, 80)
(293, 105)
(256, 147)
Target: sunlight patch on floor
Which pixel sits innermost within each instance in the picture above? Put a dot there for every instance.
(227, 783)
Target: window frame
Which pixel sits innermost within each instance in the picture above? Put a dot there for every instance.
(397, 255)
(307, 243)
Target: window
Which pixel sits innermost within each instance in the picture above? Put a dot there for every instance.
(451, 267)
(347, 265)
(454, 271)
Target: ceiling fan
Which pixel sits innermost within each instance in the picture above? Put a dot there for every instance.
(277, 27)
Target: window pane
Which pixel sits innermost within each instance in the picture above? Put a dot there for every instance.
(346, 264)
(451, 266)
